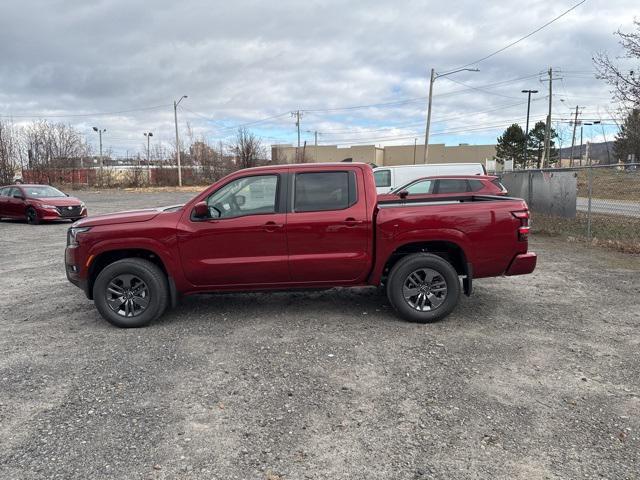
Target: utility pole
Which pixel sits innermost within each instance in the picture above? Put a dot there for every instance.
(573, 138)
(315, 147)
(415, 145)
(175, 117)
(434, 77)
(315, 150)
(426, 133)
(526, 133)
(547, 131)
(297, 114)
(100, 131)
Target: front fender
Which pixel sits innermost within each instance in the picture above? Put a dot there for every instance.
(165, 250)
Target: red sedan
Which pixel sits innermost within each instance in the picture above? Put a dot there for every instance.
(446, 186)
(36, 203)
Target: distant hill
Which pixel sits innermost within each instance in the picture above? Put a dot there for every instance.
(597, 152)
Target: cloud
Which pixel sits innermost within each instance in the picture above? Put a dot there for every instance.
(247, 60)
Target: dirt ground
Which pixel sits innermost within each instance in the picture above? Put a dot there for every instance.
(532, 377)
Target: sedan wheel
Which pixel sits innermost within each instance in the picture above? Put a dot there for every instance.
(32, 216)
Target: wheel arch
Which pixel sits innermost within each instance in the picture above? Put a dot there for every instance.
(450, 251)
(107, 257)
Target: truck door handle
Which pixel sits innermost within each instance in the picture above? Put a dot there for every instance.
(352, 222)
(272, 226)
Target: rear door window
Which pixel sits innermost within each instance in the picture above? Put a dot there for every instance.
(319, 191)
(452, 186)
(475, 185)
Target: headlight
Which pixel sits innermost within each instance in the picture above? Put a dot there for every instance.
(44, 205)
(72, 234)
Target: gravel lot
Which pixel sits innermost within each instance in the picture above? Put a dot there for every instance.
(532, 377)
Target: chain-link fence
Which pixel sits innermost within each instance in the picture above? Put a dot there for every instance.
(599, 203)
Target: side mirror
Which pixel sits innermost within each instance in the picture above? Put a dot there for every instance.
(403, 194)
(200, 210)
(241, 200)
(18, 196)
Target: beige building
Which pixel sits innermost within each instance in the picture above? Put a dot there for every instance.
(384, 156)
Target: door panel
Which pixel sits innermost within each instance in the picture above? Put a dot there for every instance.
(328, 245)
(236, 251)
(246, 244)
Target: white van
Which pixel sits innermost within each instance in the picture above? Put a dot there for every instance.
(388, 178)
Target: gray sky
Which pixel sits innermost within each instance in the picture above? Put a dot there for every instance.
(248, 60)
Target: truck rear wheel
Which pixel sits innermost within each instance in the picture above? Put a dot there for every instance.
(131, 293)
(423, 288)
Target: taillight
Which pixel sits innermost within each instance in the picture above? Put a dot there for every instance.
(523, 229)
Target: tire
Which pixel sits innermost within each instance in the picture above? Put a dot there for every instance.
(32, 216)
(424, 275)
(125, 277)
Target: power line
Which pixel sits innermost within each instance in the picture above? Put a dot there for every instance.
(475, 62)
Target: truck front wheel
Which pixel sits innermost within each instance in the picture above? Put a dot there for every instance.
(131, 292)
(423, 287)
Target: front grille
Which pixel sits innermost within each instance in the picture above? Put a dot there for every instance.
(71, 211)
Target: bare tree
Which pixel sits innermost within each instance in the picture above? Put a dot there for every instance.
(49, 145)
(8, 152)
(247, 148)
(625, 82)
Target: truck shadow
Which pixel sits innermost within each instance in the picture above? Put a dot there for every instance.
(329, 305)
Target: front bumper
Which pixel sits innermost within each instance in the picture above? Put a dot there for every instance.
(47, 214)
(73, 270)
(522, 264)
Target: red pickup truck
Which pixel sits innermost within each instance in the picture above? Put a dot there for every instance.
(297, 226)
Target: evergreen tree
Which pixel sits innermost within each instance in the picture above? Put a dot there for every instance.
(535, 144)
(627, 144)
(511, 145)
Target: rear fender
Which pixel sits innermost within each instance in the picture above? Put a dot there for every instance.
(387, 246)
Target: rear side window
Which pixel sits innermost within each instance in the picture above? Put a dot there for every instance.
(422, 187)
(475, 185)
(452, 186)
(497, 183)
(4, 192)
(320, 191)
(382, 177)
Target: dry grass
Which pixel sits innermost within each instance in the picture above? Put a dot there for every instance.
(611, 184)
(611, 231)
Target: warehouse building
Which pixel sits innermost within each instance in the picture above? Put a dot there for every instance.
(383, 156)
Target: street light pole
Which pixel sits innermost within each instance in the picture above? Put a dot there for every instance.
(148, 135)
(96, 129)
(175, 117)
(526, 133)
(434, 77)
(604, 136)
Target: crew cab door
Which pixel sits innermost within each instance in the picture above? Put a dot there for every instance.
(328, 231)
(243, 240)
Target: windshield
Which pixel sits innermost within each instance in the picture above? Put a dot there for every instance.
(42, 192)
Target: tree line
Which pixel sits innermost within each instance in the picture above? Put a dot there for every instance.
(42, 145)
